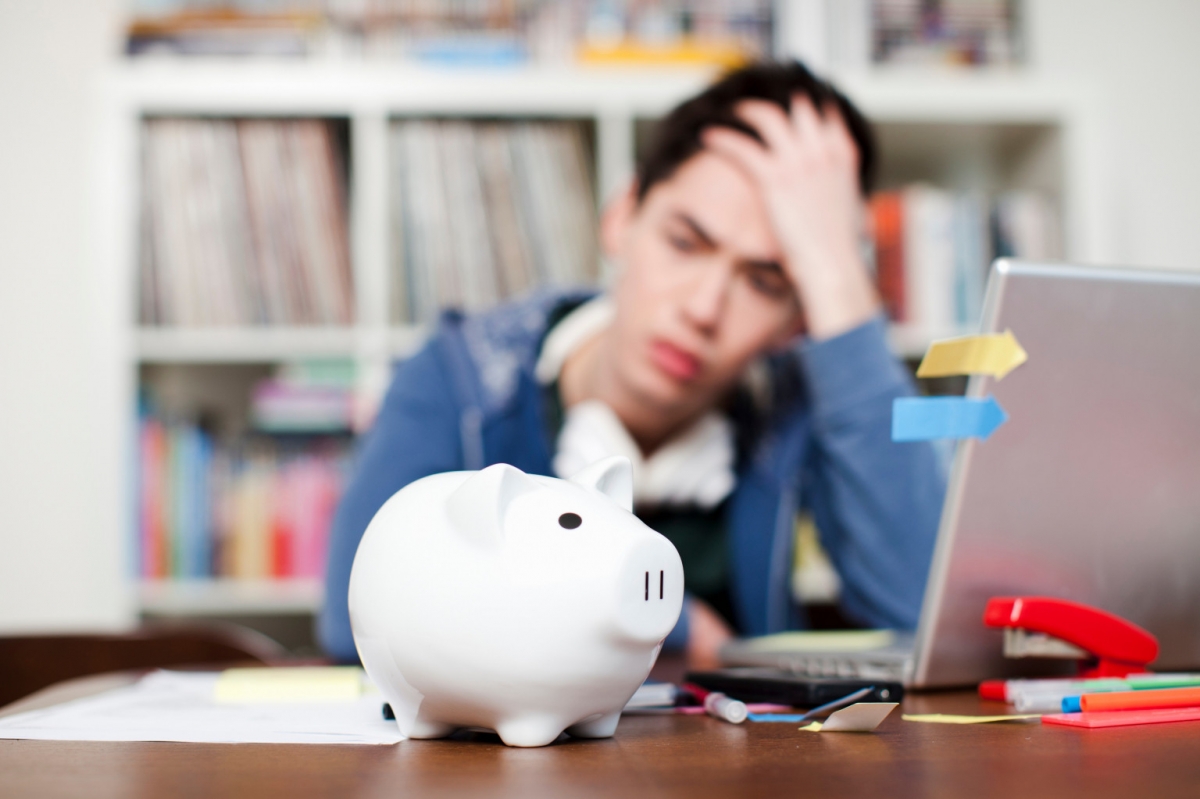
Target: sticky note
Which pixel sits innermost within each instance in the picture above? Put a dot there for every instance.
(994, 354)
(928, 418)
(859, 717)
(297, 684)
(943, 718)
(1123, 718)
(822, 641)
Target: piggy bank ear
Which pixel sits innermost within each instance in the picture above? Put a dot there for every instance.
(612, 477)
(477, 507)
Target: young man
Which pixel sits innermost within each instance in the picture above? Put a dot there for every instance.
(739, 360)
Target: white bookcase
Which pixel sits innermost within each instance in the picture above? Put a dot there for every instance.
(986, 131)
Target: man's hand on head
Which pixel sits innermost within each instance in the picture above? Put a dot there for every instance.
(807, 173)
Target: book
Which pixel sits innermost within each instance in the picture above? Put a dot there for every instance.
(932, 248)
(259, 509)
(480, 33)
(484, 211)
(244, 223)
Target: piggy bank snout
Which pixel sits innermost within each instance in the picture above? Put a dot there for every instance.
(650, 586)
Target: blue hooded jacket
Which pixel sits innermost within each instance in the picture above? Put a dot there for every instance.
(818, 438)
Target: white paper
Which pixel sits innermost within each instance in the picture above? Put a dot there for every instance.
(179, 706)
(652, 694)
(861, 717)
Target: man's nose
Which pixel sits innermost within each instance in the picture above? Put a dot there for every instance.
(706, 296)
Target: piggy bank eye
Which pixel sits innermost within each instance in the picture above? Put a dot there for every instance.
(570, 520)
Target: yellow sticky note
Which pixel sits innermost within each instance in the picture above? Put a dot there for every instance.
(822, 641)
(297, 684)
(995, 354)
(942, 718)
(814, 727)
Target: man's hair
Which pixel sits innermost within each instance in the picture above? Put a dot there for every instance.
(677, 137)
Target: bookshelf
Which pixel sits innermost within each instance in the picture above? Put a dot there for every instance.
(987, 132)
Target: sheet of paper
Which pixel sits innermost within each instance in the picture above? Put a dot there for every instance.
(859, 717)
(943, 718)
(297, 684)
(652, 694)
(181, 706)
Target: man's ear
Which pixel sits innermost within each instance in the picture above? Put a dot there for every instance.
(616, 218)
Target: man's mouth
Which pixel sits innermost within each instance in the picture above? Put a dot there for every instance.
(676, 362)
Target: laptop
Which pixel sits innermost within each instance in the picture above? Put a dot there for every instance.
(1089, 492)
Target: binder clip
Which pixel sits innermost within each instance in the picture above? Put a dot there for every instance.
(1105, 645)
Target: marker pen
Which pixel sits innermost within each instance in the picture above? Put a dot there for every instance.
(720, 706)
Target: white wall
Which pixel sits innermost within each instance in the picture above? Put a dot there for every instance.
(60, 558)
(1142, 57)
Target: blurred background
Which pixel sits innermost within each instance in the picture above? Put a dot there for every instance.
(222, 222)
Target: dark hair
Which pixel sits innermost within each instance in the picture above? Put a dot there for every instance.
(677, 137)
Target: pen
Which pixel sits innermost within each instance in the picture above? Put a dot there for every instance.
(720, 706)
(1046, 694)
(1132, 700)
(848, 699)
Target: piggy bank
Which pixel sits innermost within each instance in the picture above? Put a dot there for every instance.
(512, 602)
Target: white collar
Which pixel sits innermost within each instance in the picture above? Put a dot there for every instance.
(570, 333)
(693, 468)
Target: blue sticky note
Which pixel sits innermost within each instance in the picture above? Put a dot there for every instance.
(928, 418)
(791, 718)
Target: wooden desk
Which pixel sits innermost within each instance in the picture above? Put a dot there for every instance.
(684, 756)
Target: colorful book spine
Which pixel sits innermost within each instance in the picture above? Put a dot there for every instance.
(933, 249)
(205, 510)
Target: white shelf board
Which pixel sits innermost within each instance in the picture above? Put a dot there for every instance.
(980, 97)
(344, 88)
(405, 340)
(221, 86)
(267, 345)
(228, 597)
(243, 345)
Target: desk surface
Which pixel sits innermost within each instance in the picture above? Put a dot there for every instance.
(686, 756)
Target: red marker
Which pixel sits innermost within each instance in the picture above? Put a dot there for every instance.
(1140, 700)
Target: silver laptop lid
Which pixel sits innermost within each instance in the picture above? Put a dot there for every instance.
(1091, 490)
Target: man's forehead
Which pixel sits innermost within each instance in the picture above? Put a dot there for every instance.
(715, 196)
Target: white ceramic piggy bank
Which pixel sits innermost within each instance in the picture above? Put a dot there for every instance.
(522, 604)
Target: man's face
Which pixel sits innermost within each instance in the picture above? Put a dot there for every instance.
(701, 290)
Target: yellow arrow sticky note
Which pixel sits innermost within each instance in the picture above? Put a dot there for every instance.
(994, 354)
(942, 718)
(297, 684)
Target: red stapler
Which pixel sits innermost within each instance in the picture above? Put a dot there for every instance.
(1038, 626)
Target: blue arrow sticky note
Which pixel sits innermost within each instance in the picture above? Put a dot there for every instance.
(925, 418)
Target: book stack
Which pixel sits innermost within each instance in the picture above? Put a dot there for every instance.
(933, 248)
(258, 512)
(484, 211)
(243, 223)
(308, 397)
(477, 33)
(945, 32)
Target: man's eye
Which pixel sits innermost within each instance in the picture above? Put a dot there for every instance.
(769, 283)
(682, 244)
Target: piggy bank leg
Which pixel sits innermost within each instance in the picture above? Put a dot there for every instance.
(602, 727)
(529, 730)
(424, 728)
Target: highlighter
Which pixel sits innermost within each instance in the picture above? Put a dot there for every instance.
(720, 706)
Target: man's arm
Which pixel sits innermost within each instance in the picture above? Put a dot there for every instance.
(876, 502)
(416, 434)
